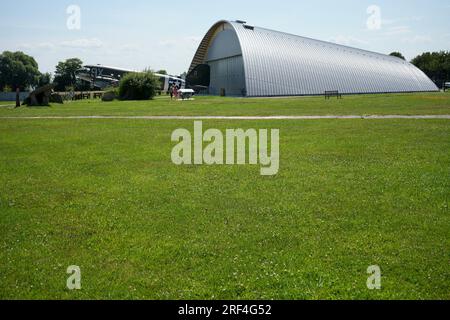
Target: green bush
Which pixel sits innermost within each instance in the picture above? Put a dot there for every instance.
(110, 94)
(112, 90)
(138, 86)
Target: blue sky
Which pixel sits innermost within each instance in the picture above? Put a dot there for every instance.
(165, 34)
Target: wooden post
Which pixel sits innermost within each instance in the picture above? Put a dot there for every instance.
(17, 97)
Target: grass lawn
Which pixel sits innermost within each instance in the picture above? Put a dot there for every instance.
(390, 104)
(7, 104)
(104, 195)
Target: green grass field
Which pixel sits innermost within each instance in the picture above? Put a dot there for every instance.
(104, 195)
(393, 104)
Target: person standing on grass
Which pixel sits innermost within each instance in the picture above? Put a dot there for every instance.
(17, 97)
(171, 92)
(175, 91)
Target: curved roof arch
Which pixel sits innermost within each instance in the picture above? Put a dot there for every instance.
(202, 51)
(281, 64)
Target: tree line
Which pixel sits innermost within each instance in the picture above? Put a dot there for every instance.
(19, 70)
(436, 65)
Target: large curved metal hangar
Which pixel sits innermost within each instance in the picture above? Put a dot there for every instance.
(237, 59)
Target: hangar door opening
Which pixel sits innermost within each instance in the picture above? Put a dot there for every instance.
(199, 78)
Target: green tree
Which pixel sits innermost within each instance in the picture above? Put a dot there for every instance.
(398, 55)
(18, 70)
(65, 75)
(163, 72)
(44, 79)
(139, 86)
(436, 65)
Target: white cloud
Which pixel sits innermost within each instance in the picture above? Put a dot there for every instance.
(184, 41)
(195, 39)
(46, 45)
(77, 43)
(347, 40)
(398, 30)
(167, 43)
(128, 47)
(41, 45)
(83, 43)
(388, 22)
(417, 39)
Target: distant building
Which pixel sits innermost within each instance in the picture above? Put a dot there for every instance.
(237, 59)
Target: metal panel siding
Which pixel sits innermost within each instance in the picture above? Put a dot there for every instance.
(227, 73)
(278, 64)
(289, 64)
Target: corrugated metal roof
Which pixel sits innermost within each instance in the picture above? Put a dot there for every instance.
(278, 64)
